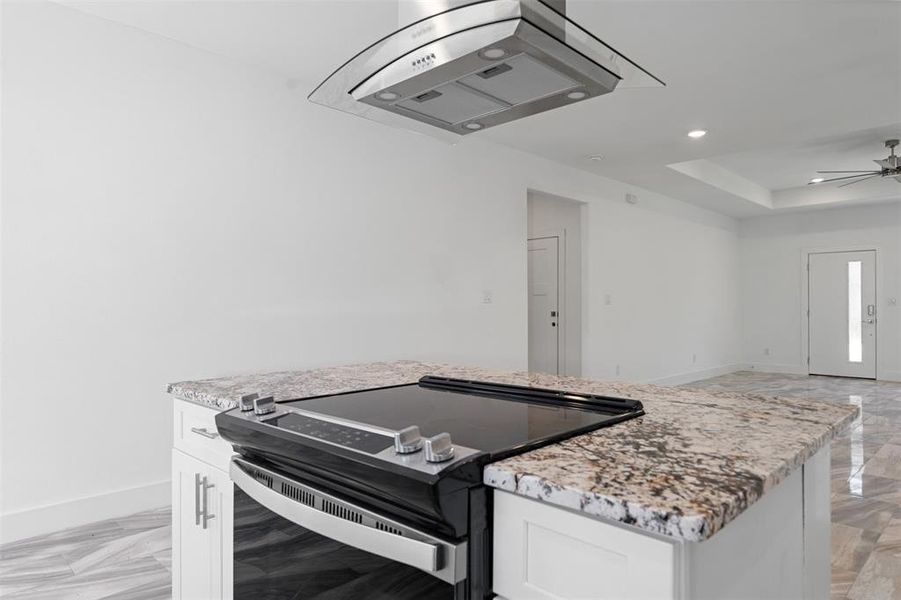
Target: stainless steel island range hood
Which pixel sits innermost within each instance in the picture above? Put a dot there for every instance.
(468, 65)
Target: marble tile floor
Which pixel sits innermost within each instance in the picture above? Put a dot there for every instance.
(130, 558)
(866, 477)
(125, 559)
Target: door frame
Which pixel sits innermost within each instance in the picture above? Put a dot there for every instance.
(560, 234)
(805, 296)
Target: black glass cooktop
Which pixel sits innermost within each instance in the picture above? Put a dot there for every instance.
(480, 416)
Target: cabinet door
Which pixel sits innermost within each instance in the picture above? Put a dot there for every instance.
(201, 555)
(543, 552)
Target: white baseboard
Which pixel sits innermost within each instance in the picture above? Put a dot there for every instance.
(690, 376)
(81, 511)
(802, 370)
(777, 368)
(890, 376)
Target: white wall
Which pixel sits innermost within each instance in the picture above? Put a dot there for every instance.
(772, 280)
(549, 215)
(673, 287)
(168, 214)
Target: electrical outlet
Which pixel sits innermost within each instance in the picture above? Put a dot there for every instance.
(766, 351)
(487, 297)
(608, 299)
(617, 369)
(694, 358)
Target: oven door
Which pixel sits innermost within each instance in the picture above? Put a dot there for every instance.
(295, 541)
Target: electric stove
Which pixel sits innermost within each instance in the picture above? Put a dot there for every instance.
(392, 476)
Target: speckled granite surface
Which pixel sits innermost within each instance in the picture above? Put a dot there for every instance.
(688, 467)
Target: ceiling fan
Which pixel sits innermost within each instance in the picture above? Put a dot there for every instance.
(888, 167)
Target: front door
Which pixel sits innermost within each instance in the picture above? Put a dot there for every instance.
(544, 344)
(842, 313)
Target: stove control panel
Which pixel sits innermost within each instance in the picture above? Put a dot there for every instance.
(336, 433)
(439, 448)
(246, 402)
(264, 406)
(406, 447)
(408, 440)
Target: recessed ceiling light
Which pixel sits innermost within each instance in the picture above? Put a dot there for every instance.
(596, 157)
(386, 96)
(473, 126)
(697, 133)
(576, 95)
(818, 180)
(493, 53)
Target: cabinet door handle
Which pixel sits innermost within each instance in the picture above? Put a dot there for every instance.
(205, 433)
(206, 511)
(197, 483)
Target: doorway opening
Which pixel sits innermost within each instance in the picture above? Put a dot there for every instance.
(554, 284)
(842, 313)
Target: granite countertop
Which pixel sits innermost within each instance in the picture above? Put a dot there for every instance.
(693, 463)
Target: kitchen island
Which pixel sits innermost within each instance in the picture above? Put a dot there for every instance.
(636, 510)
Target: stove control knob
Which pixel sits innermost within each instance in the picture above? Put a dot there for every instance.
(439, 448)
(264, 406)
(246, 402)
(408, 440)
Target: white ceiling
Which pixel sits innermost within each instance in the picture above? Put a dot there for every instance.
(784, 88)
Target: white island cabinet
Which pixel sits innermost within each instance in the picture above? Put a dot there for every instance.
(202, 515)
(777, 549)
(708, 496)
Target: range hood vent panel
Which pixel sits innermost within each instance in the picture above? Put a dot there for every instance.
(524, 80)
(475, 66)
(451, 104)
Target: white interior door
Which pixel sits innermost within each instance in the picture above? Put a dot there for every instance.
(842, 313)
(544, 333)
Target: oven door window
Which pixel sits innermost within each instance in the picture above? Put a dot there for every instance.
(278, 559)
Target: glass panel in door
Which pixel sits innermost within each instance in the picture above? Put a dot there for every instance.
(842, 313)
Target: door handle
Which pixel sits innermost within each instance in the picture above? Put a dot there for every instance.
(212, 435)
(197, 513)
(206, 516)
(201, 501)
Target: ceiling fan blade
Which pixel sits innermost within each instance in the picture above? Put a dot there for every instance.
(870, 171)
(867, 174)
(858, 181)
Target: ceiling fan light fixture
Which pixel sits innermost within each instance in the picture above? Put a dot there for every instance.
(888, 167)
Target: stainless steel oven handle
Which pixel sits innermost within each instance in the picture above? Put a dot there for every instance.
(440, 559)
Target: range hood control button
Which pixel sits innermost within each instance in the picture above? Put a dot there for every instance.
(264, 406)
(439, 448)
(408, 440)
(246, 402)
